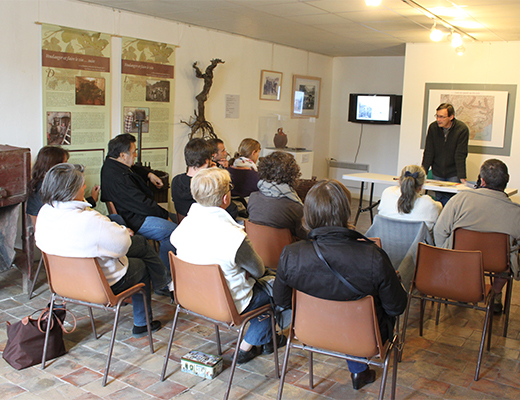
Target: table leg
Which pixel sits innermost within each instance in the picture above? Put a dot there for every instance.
(360, 207)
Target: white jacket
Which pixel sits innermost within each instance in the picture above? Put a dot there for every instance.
(72, 229)
(209, 235)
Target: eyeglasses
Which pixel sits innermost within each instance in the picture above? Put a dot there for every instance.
(440, 116)
(231, 186)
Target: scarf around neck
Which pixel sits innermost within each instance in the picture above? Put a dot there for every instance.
(278, 190)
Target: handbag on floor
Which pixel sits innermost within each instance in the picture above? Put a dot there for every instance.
(25, 338)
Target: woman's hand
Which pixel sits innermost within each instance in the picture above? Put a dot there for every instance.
(94, 193)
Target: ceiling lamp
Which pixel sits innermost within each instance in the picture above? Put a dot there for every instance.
(456, 39)
(436, 35)
(460, 50)
(373, 3)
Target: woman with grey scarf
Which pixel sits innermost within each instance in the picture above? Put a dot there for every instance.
(276, 203)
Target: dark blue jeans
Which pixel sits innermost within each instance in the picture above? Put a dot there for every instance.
(442, 196)
(159, 229)
(259, 331)
(144, 266)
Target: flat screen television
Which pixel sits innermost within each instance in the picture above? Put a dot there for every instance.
(375, 108)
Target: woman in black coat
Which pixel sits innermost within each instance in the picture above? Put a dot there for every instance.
(364, 265)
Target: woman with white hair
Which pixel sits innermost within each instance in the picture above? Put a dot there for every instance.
(231, 249)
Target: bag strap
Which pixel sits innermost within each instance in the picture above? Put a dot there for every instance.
(338, 275)
(45, 315)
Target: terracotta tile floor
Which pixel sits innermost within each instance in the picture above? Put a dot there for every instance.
(441, 364)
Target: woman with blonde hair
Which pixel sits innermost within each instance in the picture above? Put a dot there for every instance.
(406, 201)
(247, 155)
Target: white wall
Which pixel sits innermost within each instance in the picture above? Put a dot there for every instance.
(380, 143)
(20, 80)
(483, 63)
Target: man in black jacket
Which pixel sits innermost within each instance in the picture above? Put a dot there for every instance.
(446, 148)
(124, 184)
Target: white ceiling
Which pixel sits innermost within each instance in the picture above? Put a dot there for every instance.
(337, 27)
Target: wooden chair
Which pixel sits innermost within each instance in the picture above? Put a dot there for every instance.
(453, 277)
(344, 329)
(81, 281)
(201, 290)
(268, 242)
(495, 257)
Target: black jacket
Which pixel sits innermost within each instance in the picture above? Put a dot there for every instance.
(447, 158)
(364, 265)
(126, 188)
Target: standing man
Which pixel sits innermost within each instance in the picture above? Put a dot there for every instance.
(446, 149)
(124, 184)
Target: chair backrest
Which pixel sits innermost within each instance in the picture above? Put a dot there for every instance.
(203, 290)
(79, 279)
(348, 327)
(268, 242)
(494, 247)
(111, 208)
(450, 274)
(397, 236)
(376, 240)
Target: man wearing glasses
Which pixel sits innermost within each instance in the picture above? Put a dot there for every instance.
(446, 148)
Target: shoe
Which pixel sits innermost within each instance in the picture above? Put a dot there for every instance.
(163, 292)
(362, 378)
(268, 348)
(498, 307)
(245, 356)
(140, 331)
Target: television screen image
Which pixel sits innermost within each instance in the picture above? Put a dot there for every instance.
(373, 108)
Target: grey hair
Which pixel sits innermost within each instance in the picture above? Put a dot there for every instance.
(62, 182)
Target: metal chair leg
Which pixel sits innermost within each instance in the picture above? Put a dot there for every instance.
(170, 341)
(35, 278)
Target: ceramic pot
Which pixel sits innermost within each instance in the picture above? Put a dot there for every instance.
(280, 139)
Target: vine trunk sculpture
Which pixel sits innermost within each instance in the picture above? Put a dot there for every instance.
(199, 125)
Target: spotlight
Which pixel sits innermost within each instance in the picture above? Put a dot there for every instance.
(436, 35)
(460, 50)
(456, 39)
(372, 3)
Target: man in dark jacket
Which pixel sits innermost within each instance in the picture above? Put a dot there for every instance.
(124, 184)
(446, 148)
(364, 265)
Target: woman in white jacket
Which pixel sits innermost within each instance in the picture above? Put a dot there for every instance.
(67, 226)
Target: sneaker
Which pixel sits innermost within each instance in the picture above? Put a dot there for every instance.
(498, 307)
(245, 356)
(268, 348)
(165, 291)
(140, 331)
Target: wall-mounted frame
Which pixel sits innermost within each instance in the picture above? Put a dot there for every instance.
(270, 85)
(305, 96)
(487, 109)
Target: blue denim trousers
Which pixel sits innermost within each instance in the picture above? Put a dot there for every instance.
(259, 331)
(442, 196)
(144, 266)
(159, 229)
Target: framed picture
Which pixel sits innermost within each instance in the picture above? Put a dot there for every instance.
(487, 109)
(305, 97)
(270, 85)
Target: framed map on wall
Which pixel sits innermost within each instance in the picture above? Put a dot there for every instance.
(487, 110)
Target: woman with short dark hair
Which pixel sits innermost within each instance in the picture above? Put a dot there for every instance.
(276, 203)
(364, 265)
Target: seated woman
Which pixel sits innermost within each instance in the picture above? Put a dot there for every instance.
(243, 172)
(230, 248)
(48, 157)
(364, 265)
(277, 204)
(68, 227)
(406, 202)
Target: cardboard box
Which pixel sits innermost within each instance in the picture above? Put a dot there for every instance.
(201, 364)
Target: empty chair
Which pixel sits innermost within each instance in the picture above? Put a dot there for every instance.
(202, 290)
(453, 277)
(345, 329)
(399, 239)
(81, 281)
(495, 257)
(268, 242)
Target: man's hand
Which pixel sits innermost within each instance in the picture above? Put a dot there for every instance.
(224, 163)
(463, 181)
(94, 193)
(155, 180)
(130, 232)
